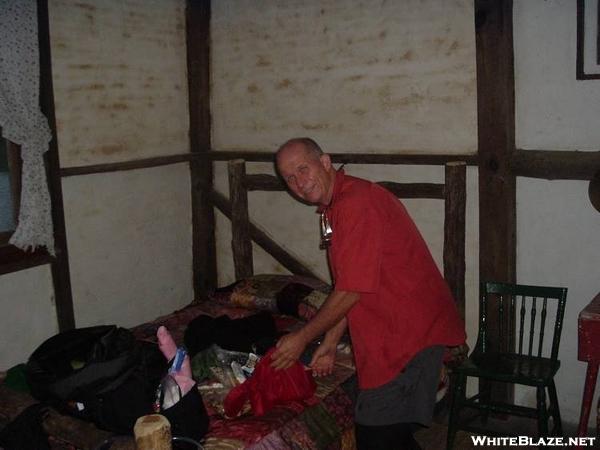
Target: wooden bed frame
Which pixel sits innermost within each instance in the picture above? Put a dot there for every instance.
(452, 191)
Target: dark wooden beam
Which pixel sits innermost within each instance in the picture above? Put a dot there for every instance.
(354, 158)
(264, 241)
(414, 190)
(264, 182)
(126, 165)
(496, 145)
(241, 243)
(547, 164)
(455, 199)
(555, 165)
(203, 219)
(60, 264)
(400, 158)
(13, 259)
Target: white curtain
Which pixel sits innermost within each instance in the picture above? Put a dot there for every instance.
(22, 121)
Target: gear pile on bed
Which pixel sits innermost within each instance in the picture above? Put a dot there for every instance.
(227, 340)
(223, 345)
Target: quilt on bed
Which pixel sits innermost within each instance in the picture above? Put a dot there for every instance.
(325, 422)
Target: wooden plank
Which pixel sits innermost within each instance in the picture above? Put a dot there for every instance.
(400, 157)
(454, 231)
(13, 259)
(547, 164)
(555, 165)
(241, 243)
(125, 165)
(414, 190)
(201, 172)
(60, 264)
(264, 182)
(496, 144)
(265, 242)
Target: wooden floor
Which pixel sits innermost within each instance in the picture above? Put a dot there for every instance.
(434, 438)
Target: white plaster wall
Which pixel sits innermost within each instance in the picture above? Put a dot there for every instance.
(129, 242)
(357, 76)
(558, 231)
(120, 83)
(28, 313)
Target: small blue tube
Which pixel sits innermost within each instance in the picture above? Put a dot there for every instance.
(178, 360)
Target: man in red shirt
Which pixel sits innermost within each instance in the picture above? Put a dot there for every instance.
(387, 290)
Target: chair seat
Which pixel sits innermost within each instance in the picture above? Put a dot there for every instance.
(511, 368)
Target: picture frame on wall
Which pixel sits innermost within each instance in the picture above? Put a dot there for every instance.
(588, 40)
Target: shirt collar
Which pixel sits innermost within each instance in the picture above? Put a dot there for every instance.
(337, 187)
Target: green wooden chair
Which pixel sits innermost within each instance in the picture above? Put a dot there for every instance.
(525, 351)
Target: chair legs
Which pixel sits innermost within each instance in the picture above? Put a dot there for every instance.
(486, 396)
(557, 422)
(458, 386)
(554, 411)
(542, 411)
(458, 391)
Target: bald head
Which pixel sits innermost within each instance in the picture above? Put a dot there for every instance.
(308, 145)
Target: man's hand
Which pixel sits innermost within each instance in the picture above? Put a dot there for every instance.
(329, 317)
(289, 349)
(323, 359)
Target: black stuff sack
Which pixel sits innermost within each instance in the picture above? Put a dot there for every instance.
(100, 374)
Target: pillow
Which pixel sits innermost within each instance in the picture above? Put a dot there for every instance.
(293, 295)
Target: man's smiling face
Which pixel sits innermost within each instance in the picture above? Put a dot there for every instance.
(308, 175)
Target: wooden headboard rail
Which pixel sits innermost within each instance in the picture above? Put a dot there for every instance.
(452, 191)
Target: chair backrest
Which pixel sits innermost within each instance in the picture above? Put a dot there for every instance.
(527, 317)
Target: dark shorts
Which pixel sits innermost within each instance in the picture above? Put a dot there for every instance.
(408, 398)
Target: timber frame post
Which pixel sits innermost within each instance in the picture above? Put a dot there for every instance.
(201, 170)
(496, 146)
(455, 193)
(61, 278)
(241, 242)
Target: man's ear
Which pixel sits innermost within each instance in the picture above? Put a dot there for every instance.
(325, 161)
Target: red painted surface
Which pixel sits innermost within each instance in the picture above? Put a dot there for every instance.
(589, 350)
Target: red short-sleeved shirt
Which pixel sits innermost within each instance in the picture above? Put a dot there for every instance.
(405, 304)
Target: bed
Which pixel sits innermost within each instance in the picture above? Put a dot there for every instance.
(324, 422)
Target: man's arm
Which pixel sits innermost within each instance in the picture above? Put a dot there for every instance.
(291, 346)
(324, 356)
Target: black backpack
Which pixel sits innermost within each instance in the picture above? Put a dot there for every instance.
(100, 374)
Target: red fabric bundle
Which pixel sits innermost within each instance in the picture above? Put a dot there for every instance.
(268, 387)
